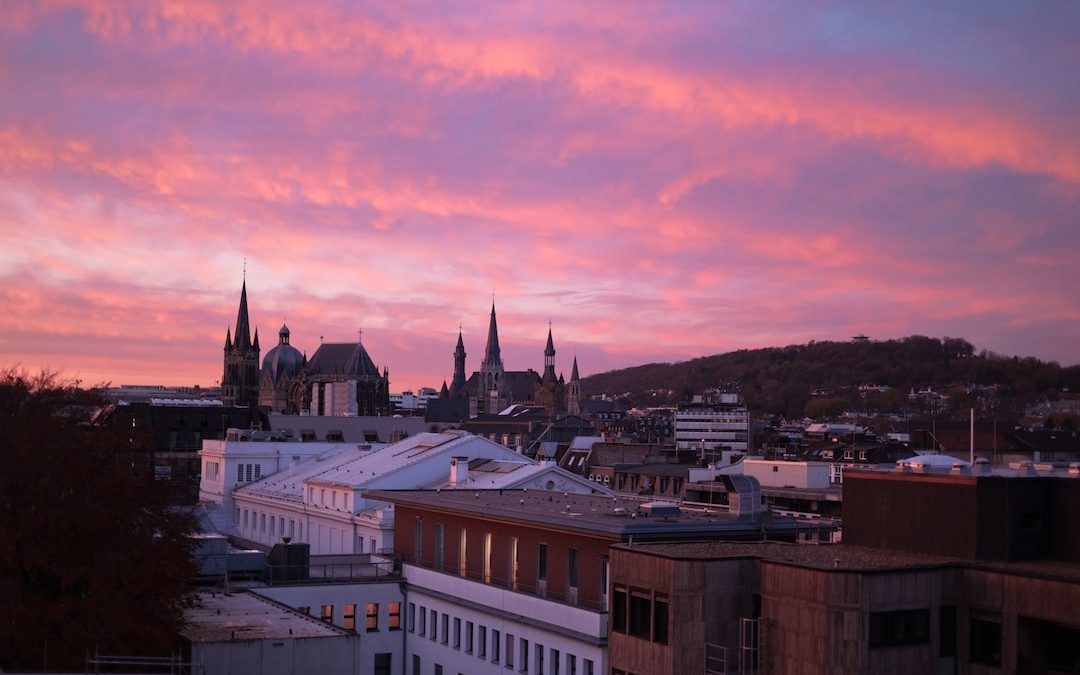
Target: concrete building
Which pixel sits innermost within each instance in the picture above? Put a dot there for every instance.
(713, 422)
(941, 572)
(501, 580)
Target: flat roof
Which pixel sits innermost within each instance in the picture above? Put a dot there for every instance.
(218, 617)
(848, 557)
(593, 514)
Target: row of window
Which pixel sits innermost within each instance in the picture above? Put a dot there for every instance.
(641, 613)
(245, 473)
(333, 503)
(256, 523)
(371, 615)
(491, 644)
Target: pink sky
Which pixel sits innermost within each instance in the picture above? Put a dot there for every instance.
(660, 181)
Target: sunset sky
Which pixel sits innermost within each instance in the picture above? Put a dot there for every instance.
(659, 180)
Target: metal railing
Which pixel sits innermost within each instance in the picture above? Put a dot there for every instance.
(330, 573)
(123, 663)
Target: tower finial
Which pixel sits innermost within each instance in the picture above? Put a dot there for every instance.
(360, 335)
(245, 270)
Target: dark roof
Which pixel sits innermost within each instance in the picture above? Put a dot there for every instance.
(347, 360)
(588, 514)
(676, 470)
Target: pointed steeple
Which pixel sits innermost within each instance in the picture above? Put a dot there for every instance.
(549, 359)
(574, 377)
(492, 353)
(228, 338)
(243, 328)
(255, 343)
(458, 383)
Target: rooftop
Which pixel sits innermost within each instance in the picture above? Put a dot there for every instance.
(846, 557)
(614, 517)
(218, 617)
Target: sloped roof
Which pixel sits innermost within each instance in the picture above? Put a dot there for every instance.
(349, 360)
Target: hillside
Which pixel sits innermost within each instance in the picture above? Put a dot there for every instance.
(781, 380)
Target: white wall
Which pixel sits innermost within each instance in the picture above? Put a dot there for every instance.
(332, 655)
(572, 631)
(778, 473)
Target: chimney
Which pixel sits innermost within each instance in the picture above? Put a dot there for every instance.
(459, 470)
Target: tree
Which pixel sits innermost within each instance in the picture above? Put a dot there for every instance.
(91, 558)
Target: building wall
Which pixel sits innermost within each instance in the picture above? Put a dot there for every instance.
(773, 473)
(453, 607)
(591, 553)
(292, 656)
(380, 636)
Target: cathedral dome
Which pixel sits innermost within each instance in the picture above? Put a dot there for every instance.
(284, 360)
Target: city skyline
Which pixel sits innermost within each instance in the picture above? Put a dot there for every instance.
(661, 184)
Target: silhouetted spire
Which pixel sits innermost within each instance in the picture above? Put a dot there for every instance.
(458, 383)
(228, 338)
(549, 359)
(492, 353)
(243, 329)
(574, 377)
(255, 344)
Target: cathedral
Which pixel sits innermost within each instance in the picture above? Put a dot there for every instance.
(339, 379)
(493, 388)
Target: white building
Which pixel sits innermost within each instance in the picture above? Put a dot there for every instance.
(321, 501)
(712, 423)
(248, 456)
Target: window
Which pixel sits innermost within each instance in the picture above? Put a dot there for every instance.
(433, 618)
(509, 651)
(640, 614)
(394, 621)
(262, 522)
(487, 557)
(618, 609)
(327, 613)
(445, 628)
(247, 473)
(322, 496)
(457, 633)
(514, 561)
(245, 519)
(350, 617)
(258, 471)
(775, 469)
(304, 609)
(438, 669)
(900, 627)
(418, 539)
(468, 637)
(660, 619)
(523, 655)
(481, 642)
(372, 617)
(438, 546)
(273, 520)
(461, 553)
(947, 630)
(539, 658)
(571, 664)
(554, 661)
(985, 633)
(587, 667)
(382, 663)
(572, 574)
(239, 473)
(496, 645)
(416, 664)
(541, 569)
(423, 620)
(411, 617)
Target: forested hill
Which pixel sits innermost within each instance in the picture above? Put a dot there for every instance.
(781, 380)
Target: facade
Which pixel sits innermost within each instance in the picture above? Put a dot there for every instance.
(939, 573)
(342, 380)
(713, 423)
(501, 580)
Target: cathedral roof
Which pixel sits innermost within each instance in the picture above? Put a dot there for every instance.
(243, 328)
(347, 360)
(284, 360)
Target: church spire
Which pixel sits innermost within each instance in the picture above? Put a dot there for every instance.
(574, 377)
(549, 358)
(243, 327)
(458, 383)
(492, 354)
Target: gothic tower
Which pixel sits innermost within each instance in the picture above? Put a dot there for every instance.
(458, 384)
(492, 394)
(240, 380)
(549, 360)
(573, 392)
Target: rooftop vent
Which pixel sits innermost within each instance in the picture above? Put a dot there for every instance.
(660, 510)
